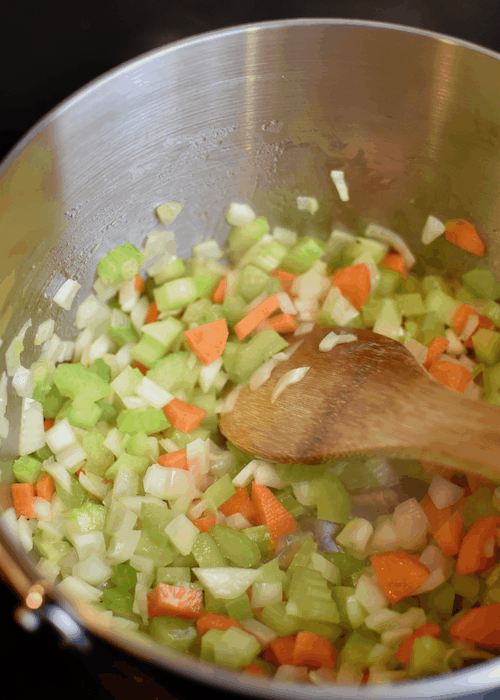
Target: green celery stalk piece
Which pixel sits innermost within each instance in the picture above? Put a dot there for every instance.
(357, 649)
(164, 332)
(303, 255)
(330, 498)
(469, 586)
(121, 263)
(173, 632)
(239, 608)
(442, 599)
(410, 304)
(234, 309)
(184, 560)
(99, 458)
(161, 555)
(465, 296)
(286, 498)
(492, 310)
(345, 562)
(491, 379)
(147, 351)
(434, 282)
(412, 327)
(478, 505)
(241, 238)
(220, 491)
(78, 383)
(207, 552)
(121, 335)
(120, 602)
(102, 369)
(27, 469)
(173, 374)
(482, 283)
(486, 345)
(236, 546)
(176, 293)
(205, 277)
(208, 642)
(387, 284)
(74, 499)
(260, 535)
(302, 557)
(255, 352)
(195, 314)
(140, 445)
(173, 269)
(340, 595)
(430, 327)
(142, 420)
(230, 356)
(124, 577)
(214, 605)
(182, 439)
(269, 257)
(270, 572)
(409, 285)
(155, 519)
(85, 415)
(251, 282)
(370, 310)
(327, 630)
(86, 518)
(54, 551)
(52, 402)
(312, 596)
(440, 304)
(427, 657)
(276, 617)
(173, 575)
(293, 473)
(126, 461)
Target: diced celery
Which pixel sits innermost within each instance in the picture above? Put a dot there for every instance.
(234, 309)
(79, 383)
(182, 533)
(185, 560)
(236, 546)
(327, 630)
(442, 599)
(255, 352)
(99, 458)
(409, 285)
(270, 256)
(302, 557)
(121, 263)
(176, 293)
(270, 572)
(173, 632)
(427, 657)
(147, 351)
(410, 304)
(239, 608)
(478, 505)
(389, 280)
(345, 562)
(482, 283)
(276, 617)
(89, 517)
(73, 499)
(340, 595)
(205, 278)
(226, 582)
(286, 498)
(142, 420)
(412, 327)
(430, 327)
(165, 332)
(486, 345)
(303, 255)
(441, 305)
(52, 402)
(182, 439)
(101, 368)
(173, 374)
(27, 469)
(330, 498)
(121, 335)
(124, 577)
(242, 238)
(174, 268)
(196, 313)
(260, 535)
(433, 282)
(236, 649)
(355, 536)
(173, 575)
(84, 414)
(311, 596)
(468, 586)
(126, 382)
(119, 602)
(206, 552)
(465, 296)
(212, 604)
(370, 310)
(357, 649)
(160, 554)
(155, 519)
(52, 550)
(251, 282)
(126, 461)
(492, 310)
(208, 642)
(220, 491)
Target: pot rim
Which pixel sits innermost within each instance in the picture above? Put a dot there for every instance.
(19, 570)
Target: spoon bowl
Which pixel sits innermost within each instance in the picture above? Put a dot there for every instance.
(370, 397)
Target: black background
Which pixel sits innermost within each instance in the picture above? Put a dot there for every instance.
(47, 51)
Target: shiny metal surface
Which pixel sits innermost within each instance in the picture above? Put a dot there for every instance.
(259, 113)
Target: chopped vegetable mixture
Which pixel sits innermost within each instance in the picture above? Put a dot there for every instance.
(133, 501)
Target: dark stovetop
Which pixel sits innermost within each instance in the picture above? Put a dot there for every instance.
(47, 51)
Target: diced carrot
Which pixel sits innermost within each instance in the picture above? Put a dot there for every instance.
(366, 676)
(454, 376)
(22, 496)
(395, 262)
(450, 534)
(208, 341)
(220, 291)
(283, 323)
(79, 471)
(152, 314)
(436, 516)
(464, 235)
(286, 279)
(48, 423)
(250, 322)
(138, 283)
(142, 368)
(205, 523)
(211, 621)
(176, 601)
(269, 656)
(472, 555)
(479, 626)
(183, 416)
(45, 487)
(177, 460)
(313, 651)
(240, 503)
(461, 317)
(282, 648)
(354, 283)
(254, 670)
(403, 655)
(484, 322)
(271, 512)
(399, 574)
(435, 349)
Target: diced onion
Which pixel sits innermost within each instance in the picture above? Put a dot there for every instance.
(93, 570)
(245, 476)
(198, 457)
(339, 308)
(286, 304)
(438, 564)
(303, 329)
(393, 638)
(266, 475)
(455, 347)
(60, 436)
(71, 457)
(285, 236)
(4, 427)
(261, 375)
(470, 327)
(384, 234)
(307, 308)
(208, 249)
(158, 243)
(66, 294)
(369, 593)
(41, 508)
(302, 492)
(230, 400)
(196, 509)
(153, 394)
(291, 377)
(329, 342)
(238, 521)
(309, 204)
(13, 352)
(444, 493)
(226, 582)
(338, 179)
(264, 634)
(385, 538)
(25, 533)
(266, 593)
(240, 214)
(74, 587)
(23, 382)
(182, 534)
(433, 228)
(89, 543)
(411, 524)
(168, 212)
(59, 474)
(44, 331)
(120, 551)
(209, 373)
(32, 435)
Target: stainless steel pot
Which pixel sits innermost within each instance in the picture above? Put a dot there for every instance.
(259, 113)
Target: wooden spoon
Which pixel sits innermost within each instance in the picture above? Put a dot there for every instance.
(366, 397)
